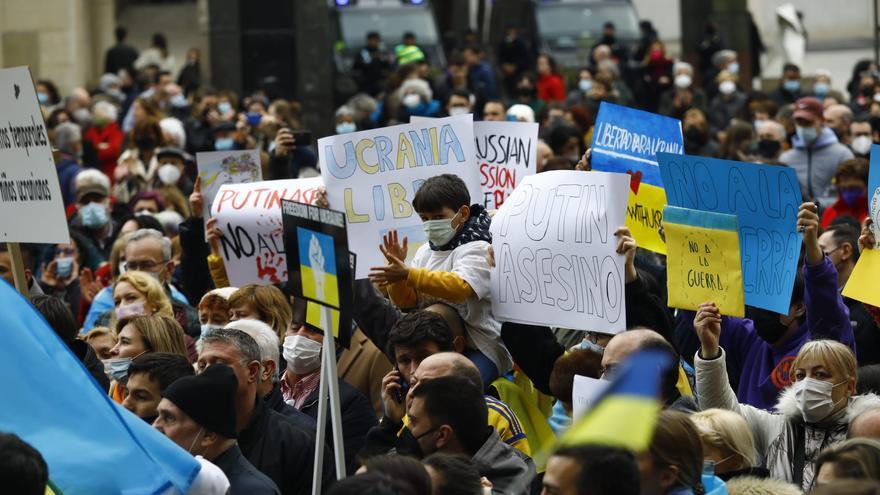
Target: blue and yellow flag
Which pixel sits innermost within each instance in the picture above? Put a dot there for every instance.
(90, 444)
(317, 260)
(625, 414)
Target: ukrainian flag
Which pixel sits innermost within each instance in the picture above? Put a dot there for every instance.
(625, 414)
(90, 444)
(317, 264)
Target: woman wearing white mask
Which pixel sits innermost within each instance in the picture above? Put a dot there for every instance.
(813, 413)
(302, 350)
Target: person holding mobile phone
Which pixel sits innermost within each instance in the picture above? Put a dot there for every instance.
(291, 155)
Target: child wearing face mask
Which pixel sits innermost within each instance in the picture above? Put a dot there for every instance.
(450, 267)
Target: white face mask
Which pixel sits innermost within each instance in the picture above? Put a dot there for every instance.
(814, 399)
(862, 144)
(458, 111)
(412, 100)
(727, 87)
(303, 355)
(683, 81)
(169, 174)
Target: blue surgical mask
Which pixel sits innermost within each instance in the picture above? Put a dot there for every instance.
(733, 67)
(63, 266)
(587, 345)
(807, 134)
(118, 369)
(821, 88)
(439, 232)
(224, 144)
(224, 107)
(345, 127)
(43, 98)
(585, 85)
(791, 85)
(94, 216)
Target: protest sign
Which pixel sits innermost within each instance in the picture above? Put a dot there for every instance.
(555, 252)
(373, 176)
(506, 153)
(765, 200)
(874, 190)
(862, 283)
(319, 265)
(584, 393)
(217, 168)
(626, 140)
(249, 216)
(703, 260)
(30, 196)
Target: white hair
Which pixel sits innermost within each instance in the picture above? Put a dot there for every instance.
(142, 234)
(173, 128)
(92, 176)
(683, 65)
(266, 339)
(105, 109)
(521, 112)
(773, 126)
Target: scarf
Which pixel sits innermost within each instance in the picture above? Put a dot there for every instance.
(476, 228)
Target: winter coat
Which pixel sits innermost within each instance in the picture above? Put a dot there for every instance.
(776, 432)
(282, 450)
(761, 370)
(840, 208)
(363, 366)
(196, 280)
(509, 470)
(113, 137)
(242, 475)
(68, 168)
(816, 164)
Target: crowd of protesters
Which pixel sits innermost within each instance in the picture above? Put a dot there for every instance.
(770, 403)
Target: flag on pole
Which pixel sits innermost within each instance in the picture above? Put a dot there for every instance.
(625, 414)
(90, 444)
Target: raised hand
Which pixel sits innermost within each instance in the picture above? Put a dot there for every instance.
(89, 285)
(584, 164)
(213, 235)
(196, 201)
(808, 225)
(707, 324)
(866, 239)
(392, 245)
(321, 200)
(395, 271)
(626, 246)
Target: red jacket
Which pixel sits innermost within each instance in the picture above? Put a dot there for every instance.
(551, 88)
(113, 137)
(860, 212)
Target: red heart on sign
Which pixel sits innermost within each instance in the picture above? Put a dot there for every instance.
(635, 179)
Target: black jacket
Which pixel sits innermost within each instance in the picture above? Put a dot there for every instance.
(242, 475)
(89, 359)
(357, 419)
(535, 349)
(196, 278)
(275, 401)
(282, 450)
(866, 333)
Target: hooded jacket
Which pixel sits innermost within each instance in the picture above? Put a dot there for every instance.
(509, 470)
(816, 164)
(776, 433)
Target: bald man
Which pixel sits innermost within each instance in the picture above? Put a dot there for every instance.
(838, 117)
(865, 425)
(393, 432)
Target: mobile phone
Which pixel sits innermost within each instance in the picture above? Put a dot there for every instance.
(302, 138)
(400, 394)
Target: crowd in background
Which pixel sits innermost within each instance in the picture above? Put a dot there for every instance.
(770, 403)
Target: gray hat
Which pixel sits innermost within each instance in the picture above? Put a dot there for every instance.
(67, 133)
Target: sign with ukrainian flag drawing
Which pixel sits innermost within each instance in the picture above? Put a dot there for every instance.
(626, 140)
(319, 266)
(703, 260)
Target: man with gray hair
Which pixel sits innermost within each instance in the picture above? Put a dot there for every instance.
(684, 94)
(270, 389)
(838, 117)
(274, 444)
(67, 138)
(771, 139)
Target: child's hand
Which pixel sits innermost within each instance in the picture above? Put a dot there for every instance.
(392, 246)
(395, 271)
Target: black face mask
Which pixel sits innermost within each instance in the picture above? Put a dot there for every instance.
(768, 148)
(767, 324)
(694, 135)
(145, 142)
(526, 92)
(867, 91)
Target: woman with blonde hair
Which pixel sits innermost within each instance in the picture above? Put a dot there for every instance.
(136, 293)
(727, 441)
(858, 458)
(141, 334)
(814, 412)
(261, 302)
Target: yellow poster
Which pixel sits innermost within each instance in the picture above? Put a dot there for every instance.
(862, 284)
(316, 316)
(703, 260)
(644, 216)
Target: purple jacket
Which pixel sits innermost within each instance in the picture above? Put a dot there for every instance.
(764, 370)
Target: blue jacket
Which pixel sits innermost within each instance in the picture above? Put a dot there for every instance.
(103, 302)
(816, 164)
(68, 169)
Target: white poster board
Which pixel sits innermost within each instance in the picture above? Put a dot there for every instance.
(555, 252)
(217, 168)
(31, 206)
(249, 216)
(584, 394)
(373, 175)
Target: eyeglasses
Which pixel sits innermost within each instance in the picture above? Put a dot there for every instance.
(829, 253)
(138, 266)
(69, 251)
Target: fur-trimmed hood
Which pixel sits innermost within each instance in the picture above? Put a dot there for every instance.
(787, 405)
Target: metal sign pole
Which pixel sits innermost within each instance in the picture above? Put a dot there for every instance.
(321, 432)
(332, 380)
